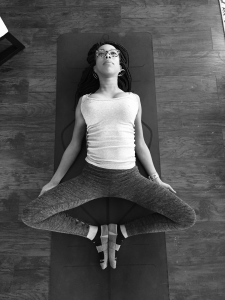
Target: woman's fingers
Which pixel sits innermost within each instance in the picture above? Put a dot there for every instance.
(41, 193)
(47, 187)
(167, 186)
(171, 189)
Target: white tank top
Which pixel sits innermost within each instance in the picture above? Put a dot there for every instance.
(111, 130)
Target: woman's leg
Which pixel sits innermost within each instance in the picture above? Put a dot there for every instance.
(47, 212)
(169, 211)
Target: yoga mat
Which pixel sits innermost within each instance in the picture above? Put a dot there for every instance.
(141, 271)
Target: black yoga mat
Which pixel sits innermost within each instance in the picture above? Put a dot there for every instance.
(141, 271)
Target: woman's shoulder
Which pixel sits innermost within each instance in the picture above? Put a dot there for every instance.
(84, 97)
(135, 96)
(133, 93)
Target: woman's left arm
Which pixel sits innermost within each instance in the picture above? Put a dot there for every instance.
(143, 152)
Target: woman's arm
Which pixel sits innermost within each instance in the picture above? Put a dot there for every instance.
(143, 152)
(73, 148)
(141, 149)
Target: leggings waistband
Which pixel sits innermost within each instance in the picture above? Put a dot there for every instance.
(103, 172)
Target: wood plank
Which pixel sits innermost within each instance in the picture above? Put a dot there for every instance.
(27, 110)
(25, 61)
(5, 3)
(179, 118)
(15, 264)
(26, 266)
(218, 37)
(195, 178)
(187, 41)
(198, 63)
(18, 239)
(76, 17)
(152, 25)
(191, 265)
(82, 3)
(9, 207)
(202, 16)
(29, 295)
(200, 86)
(21, 169)
(223, 130)
(14, 86)
(42, 84)
(6, 278)
(220, 79)
(13, 200)
(13, 98)
(42, 37)
(192, 142)
(30, 280)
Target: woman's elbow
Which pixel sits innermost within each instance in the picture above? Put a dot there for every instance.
(140, 146)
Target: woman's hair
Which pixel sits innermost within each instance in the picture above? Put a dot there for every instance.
(89, 84)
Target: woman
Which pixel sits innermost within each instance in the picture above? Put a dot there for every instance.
(112, 116)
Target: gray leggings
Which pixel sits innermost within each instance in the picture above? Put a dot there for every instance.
(48, 210)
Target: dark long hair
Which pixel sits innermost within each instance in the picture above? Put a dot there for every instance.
(89, 84)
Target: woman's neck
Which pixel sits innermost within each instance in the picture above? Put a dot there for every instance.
(110, 93)
(108, 85)
(108, 89)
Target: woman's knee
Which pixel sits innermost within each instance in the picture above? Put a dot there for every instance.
(28, 213)
(190, 219)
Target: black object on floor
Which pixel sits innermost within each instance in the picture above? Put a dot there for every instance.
(75, 273)
(12, 50)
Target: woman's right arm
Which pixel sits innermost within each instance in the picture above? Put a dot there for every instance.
(71, 151)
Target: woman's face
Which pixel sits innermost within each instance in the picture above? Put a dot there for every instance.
(107, 65)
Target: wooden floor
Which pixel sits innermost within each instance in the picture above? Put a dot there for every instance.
(189, 57)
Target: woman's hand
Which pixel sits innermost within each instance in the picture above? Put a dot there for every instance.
(47, 187)
(165, 185)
